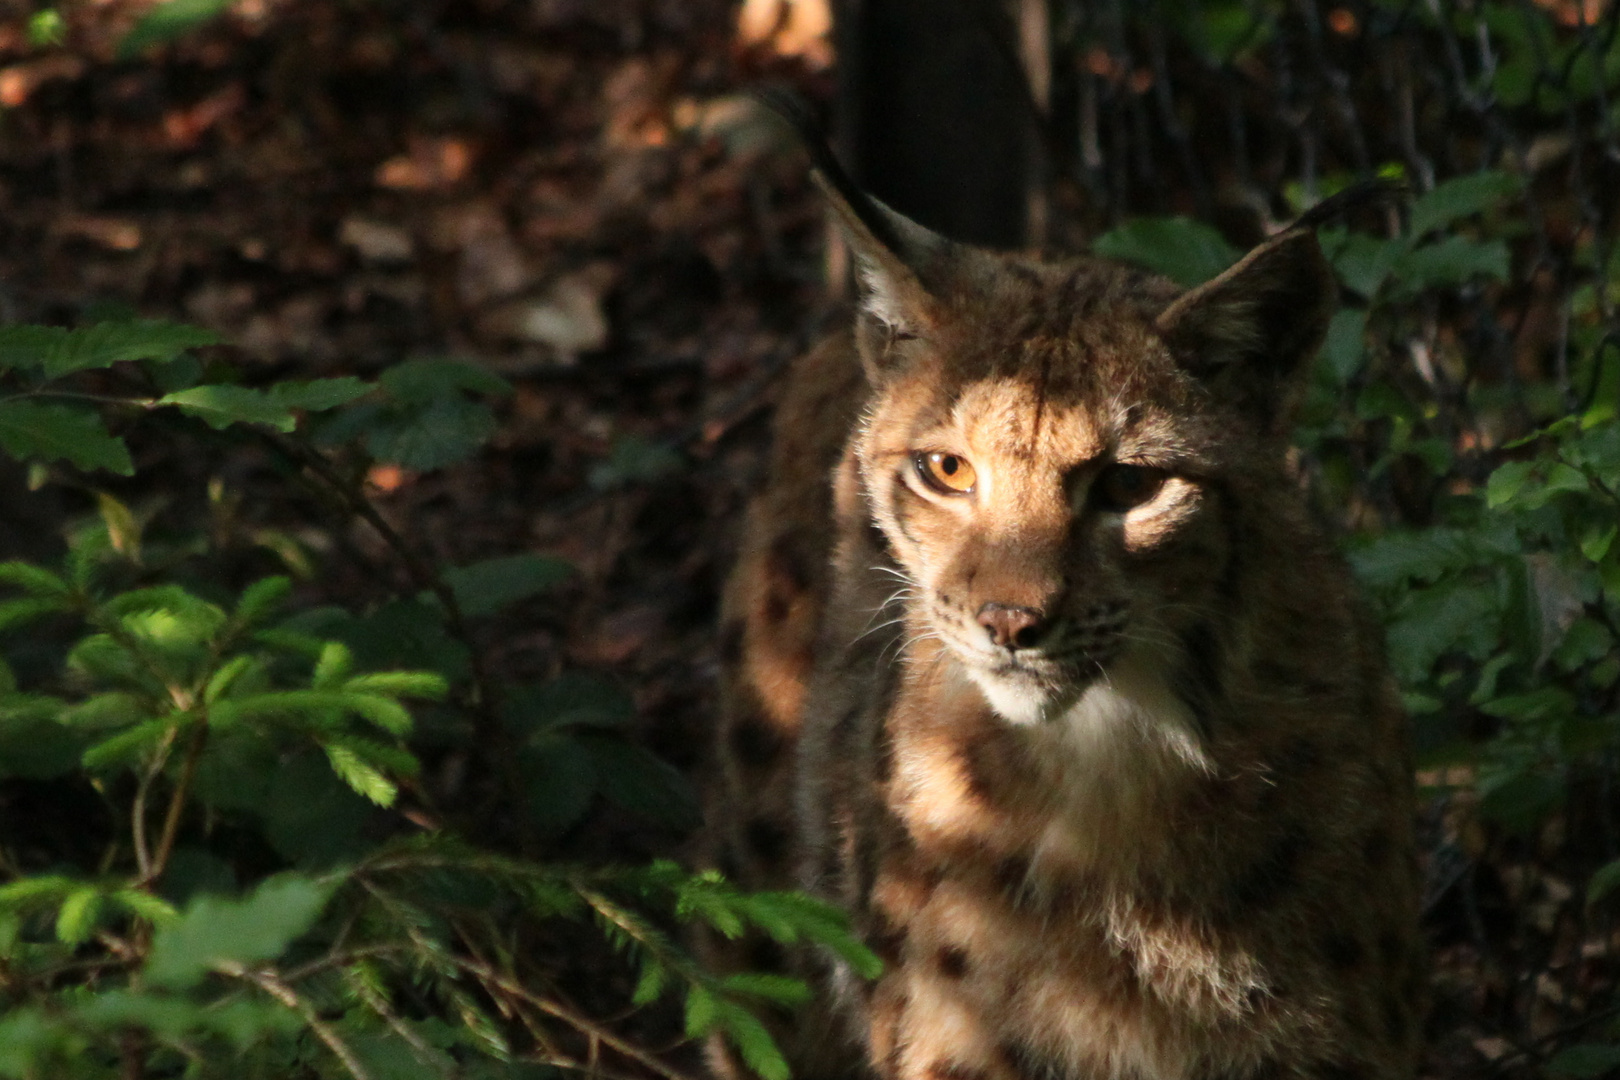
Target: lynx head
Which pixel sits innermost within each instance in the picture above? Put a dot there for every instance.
(1064, 458)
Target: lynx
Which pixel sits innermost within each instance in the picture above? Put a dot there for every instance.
(1038, 665)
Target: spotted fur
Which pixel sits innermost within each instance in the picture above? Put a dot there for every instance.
(1164, 833)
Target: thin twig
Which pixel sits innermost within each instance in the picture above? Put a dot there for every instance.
(578, 1021)
(286, 995)
(177, 803)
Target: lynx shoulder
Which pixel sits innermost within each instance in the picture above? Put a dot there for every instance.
(1037, 664)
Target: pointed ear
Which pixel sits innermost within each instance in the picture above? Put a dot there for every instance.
(1250, 333)
(892, 255)
(897, 261)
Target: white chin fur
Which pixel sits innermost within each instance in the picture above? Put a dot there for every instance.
(1017, 701)
(1132, 694)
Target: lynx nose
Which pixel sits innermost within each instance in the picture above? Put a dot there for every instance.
(1011, 627)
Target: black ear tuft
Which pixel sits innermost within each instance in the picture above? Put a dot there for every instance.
(1251, 332)
(1380, 192)
(897, 260)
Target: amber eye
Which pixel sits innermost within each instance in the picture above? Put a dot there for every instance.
(1121, 487)
(947, 474)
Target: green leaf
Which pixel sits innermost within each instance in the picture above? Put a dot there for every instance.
(33, 579)
(166, 22)
(51, 432)
(423, 381)
(1596, 541)
(650, 985)
(26, 609)
(154, 909)
(754, 1042)
(1185, 251)
(125, 747)
(318, 395)
(1452, 261)
(442, 433)
(333, 667)
(365, 779)
(483, 588)
(59, 352)
(1362, 262)
(102, 712)
(1461, 197)
(1506, 482)
(415, 684)
(310, 816)
(1603, 881)
(123, 528)
(1585, 1061)
(385, 712)
(572, 699)
(702, 1010)
(215, 931)
(262, 599)
(1344, 347)
(633, 460)
(636, 780)
(778, 988)
(559, 778)
(220, 683)
(76, 919)
(220, 406)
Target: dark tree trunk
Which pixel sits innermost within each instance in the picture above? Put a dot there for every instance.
(936, 116)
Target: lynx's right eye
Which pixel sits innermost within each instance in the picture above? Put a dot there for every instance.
(947, 474)
(1122, 487)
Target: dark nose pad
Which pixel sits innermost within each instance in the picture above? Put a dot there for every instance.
(1011, 627)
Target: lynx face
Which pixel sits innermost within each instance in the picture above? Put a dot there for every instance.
(1046, 526)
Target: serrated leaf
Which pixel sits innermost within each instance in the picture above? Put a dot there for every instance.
(318, 395)
(1460, 197)
(114, 709)
(262, 599)
(58, 351)
(1362, 262)
(31, 893)
(414, 684)
(650, 984)
(123, 529)
(167, 21)
(153, 909)
(702, 1010)
(483, 588)
(778, 988)
(222, 680)
(33, 579)
(128, 745)
(426, 380)
(1453, 261)
(220, 406)
(25, 609)
(51, 432)
(1185, 251)
(76, 919)
(754, 1042)
(385, 712)
(214, 930)
(333, 667)
(365, 779)
(441, 433)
